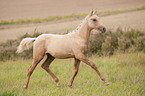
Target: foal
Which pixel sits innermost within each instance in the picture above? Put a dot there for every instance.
(71, 45)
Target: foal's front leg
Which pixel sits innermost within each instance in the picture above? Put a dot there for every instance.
(83, 58)
(76, 68)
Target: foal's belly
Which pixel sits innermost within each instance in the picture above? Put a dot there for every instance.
(60, 51)
(60, 55)
(60, 47)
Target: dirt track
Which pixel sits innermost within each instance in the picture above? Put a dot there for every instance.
(26, 9)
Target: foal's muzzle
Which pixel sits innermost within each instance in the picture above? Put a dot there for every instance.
(102, 29)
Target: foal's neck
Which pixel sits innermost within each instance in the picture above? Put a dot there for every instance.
(84, 31)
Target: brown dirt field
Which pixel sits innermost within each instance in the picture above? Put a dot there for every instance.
(15, 9)
(42, 8)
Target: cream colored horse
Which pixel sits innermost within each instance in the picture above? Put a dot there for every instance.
(71, 45)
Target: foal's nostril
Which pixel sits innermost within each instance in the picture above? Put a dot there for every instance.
(104, 29)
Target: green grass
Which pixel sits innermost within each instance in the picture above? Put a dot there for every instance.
(39, 19)
(125, 72)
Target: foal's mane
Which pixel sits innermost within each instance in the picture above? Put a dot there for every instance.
(83, 21)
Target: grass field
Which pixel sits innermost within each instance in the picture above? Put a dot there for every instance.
(125, 72)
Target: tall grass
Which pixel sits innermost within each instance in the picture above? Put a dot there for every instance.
(120, 41)
(102, 44)
(125, 72)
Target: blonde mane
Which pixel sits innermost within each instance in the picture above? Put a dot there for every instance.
(83, 21)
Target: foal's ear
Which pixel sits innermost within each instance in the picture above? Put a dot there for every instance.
(95, 12)
(91, 13)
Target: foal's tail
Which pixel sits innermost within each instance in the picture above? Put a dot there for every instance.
(26, 43)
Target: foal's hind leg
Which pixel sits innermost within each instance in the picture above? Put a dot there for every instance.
(46, 65)
(76, 68)
(37, 57)
(31, 69)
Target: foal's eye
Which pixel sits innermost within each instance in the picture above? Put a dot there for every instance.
(94, 19)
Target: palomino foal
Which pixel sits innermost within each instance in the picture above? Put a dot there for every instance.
(71, 45)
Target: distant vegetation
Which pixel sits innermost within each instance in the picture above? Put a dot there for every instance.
(101, 44)
(100, 13)
(120, 41)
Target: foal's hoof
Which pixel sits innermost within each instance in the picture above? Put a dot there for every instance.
(107, 83)
(69, 85)
(25, 87)
(58, 84)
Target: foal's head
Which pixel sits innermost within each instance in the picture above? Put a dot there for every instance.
(94, 22)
